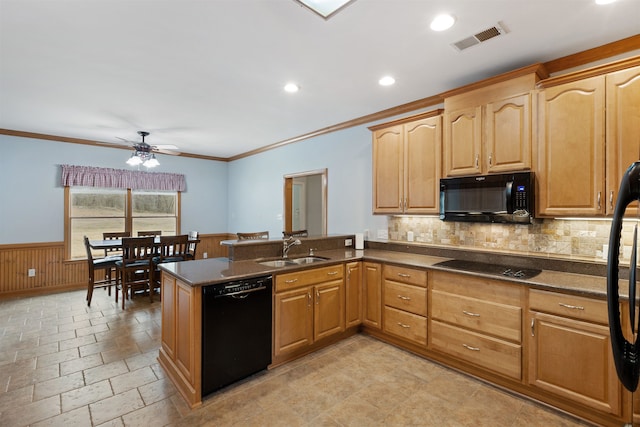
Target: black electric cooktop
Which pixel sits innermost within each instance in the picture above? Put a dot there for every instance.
(493, 269)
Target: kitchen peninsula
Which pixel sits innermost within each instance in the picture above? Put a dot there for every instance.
(410, 296)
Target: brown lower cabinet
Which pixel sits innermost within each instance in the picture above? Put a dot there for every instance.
(308, 306)
(570, 350)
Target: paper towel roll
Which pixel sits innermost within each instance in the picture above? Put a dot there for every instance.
(359, 241)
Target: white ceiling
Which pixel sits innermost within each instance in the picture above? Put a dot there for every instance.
(208, 75)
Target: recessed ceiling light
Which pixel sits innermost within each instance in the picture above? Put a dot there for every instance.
(291, 87)
(442, 22)
(604, 1)
(386, 81)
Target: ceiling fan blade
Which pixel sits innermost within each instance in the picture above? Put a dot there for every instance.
(169, 152)
(165, 147)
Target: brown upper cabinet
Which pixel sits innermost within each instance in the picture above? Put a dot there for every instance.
(584, 148)
(406, 165)
(487, 125)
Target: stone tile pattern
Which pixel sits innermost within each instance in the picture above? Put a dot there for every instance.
(64, 364)
(580, 239)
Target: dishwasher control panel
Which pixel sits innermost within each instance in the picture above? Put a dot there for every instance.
(237, 286)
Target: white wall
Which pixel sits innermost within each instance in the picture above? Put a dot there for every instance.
(256, 193)
(32, 199)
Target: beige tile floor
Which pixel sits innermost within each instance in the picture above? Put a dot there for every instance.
(63, 364)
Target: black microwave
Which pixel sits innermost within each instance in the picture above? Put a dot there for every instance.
(488, 198)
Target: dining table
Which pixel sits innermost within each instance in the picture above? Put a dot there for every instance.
(113, 244)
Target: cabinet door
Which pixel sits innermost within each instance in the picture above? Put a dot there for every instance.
(188, 354)
(573, 359)
(372, 294)
(423, 140)
(508, 134)
(168, 302)
(353, 294)
(388, 192)
(293, 321)
(623, 130)
(463, 142)
(570, 156)
(328, 317)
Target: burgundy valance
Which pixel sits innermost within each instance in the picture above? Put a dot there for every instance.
(89, 176)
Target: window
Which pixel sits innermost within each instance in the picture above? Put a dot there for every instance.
(154, 210)
(93, 211)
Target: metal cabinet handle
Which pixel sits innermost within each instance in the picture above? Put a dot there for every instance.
(477, 161)
(332, 273)
(317, 296)
(404, 298)
(611, 200)
(468, 313)
(468, 347)
(402, 325)
(599, 197)
(308, 299)
(291, 281)
(572, 307)
(533, 326)
(405, 275)
(490, 159)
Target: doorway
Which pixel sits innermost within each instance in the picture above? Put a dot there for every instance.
(305, 202)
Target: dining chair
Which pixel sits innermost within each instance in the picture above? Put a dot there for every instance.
(135, 270)
(262, 235)
(149, 233)
(114, 235)
(295, 233)
(172, 249)
(105, 264)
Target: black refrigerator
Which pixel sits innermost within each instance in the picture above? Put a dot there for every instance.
(624, 324)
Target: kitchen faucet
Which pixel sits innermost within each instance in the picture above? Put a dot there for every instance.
(286, 245)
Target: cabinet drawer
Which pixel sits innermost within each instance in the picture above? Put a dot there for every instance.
(589, 309)
(406, 275)
(406, 325)
(477, 287)
(500, 320)
(487, 352)
(406, 297)
(308, 277)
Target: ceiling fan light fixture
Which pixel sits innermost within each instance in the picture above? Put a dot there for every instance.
(134, 160)
(152, 162)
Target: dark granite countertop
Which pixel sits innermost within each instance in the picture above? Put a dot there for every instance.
(218, 270)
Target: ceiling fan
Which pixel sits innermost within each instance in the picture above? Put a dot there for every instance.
(144, 154)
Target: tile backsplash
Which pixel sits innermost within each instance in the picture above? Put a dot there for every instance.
(585, 239)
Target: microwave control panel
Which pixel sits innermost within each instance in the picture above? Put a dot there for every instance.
(521, 197)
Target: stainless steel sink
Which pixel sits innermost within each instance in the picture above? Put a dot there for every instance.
(277, 263)
(308, 260)
(292, 261)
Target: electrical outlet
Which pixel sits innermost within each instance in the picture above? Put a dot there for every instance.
(31, 272)
(205, 255)
(348, 242)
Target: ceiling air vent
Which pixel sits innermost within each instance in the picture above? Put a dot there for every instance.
(480, 37)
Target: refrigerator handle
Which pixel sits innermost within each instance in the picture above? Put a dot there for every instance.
(626, 355)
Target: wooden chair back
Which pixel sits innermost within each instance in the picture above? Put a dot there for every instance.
(136, 250)
(262, 235)
(136, 269)
(149, 233)
(114, 235)
(295, 233)
(101, 264)
(173, 248)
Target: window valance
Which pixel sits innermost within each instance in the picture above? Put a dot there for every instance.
(89, 176)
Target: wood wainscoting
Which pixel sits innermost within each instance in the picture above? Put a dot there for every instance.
(53, 273)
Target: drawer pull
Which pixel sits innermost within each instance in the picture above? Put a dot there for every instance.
(402, 325)
(291, 281)
(332, 273)
(468, 313)
(405, 275)
(572, 307)
(468, 347)
(317, 296)
(404, 298)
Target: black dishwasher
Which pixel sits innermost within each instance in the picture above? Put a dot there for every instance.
(236, 331)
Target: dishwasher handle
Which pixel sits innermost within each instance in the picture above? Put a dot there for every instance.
(242, 294)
